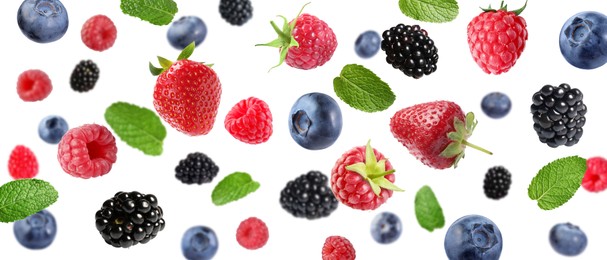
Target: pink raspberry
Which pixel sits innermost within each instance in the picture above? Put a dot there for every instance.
(34, 85)
(252, 233)
(99, 33)
(338, 248)
(22, 163)
(87, 151)
(250, 121)
(595, 178)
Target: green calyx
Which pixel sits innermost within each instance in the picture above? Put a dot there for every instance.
(374, 171)
(505, 8)
(166, 64)
(463, 130)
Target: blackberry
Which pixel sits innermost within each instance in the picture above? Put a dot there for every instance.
(409, 49)
(497, 182)
(85, 76)
(196, 168)
(129, 218)
(308, 196)
(558, 115)
(236, 12)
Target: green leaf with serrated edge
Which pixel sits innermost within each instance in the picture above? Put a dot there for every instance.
(139, 127)
(428, 211)
(24, 197)
(233, 187)
(361, 89)
(434, 11)
(557, 182)
(156, 12)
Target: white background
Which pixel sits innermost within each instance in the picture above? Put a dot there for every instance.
(242, 69)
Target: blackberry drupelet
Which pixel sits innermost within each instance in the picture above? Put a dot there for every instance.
(409, 49)
(497, 182)
(85, 76)
(236, 12)
(129, 218)
(308, 196)
(558, 115)
(196, 168)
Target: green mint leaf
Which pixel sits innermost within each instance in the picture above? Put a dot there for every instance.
(24, 197)
(433, 11)
(137, 126)
(428, 211)
(557, 182)
(156, 12)
(233, 187)
(361, 89)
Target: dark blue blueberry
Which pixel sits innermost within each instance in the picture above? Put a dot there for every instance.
(42, 21)
(583, 40)
(367, 44)
(386, 228)
(315, 121)
(473, 237)
(496, 105)
(36, 231)
(567, 239)
(52, 128)
(199, 243)
(186, 30)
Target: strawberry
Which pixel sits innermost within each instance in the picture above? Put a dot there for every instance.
(497, 38)
(187, 93)
(595, 178)
(305, 43)
(362, 178)
(435, 133)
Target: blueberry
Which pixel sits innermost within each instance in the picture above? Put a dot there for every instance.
(36, 231)
(386, 228)
(186, 30)
(52, 128)
(567, 239)
(315, 121)
(199, 243)
(367, 44)
(42, 21)
(496, 105)
(583, 40)
(473, 237)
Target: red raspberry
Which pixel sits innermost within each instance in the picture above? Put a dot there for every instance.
(250, 121)
(87, 151)
(22, 163)
(252, 233)
(338, 248)
(34, 85)
(595, 178)
(99, 33)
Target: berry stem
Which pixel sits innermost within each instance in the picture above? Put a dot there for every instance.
(465, 142)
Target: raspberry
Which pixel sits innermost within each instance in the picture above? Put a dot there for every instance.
(22, 163)
(87, 151)
(196, 168)
(98, 33)
(338, 248)
(84, 76)
(236, 12)
(497, 182)
(409, 49)
(595, 178)
(250, 121)
(34, 85)
(308, 196)
(252, 233)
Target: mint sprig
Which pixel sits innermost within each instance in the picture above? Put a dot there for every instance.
(24, 197)
(557, 182)
(156, 12)
(434, 11)
(233, 187)
(428, 211)
(361, 89)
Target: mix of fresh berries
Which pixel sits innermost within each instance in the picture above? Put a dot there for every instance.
(236, 12)
(52, 128)
(595, 178)
(308, 196)
(196, 168)
(497, 182)
(87, 151)
(252, 233)
(367, 44)
(568, 239)
(250, 121)
(409, 49)
(199, 243)
(582, 40)
(42, 21)
(496, 105)
(37, 231)
(22, 163)
(386, 228)
(84, 76)
(338, 248)
(315, 121)
(186, 30)
(99, 33)
(558, 115)
(473, 237)
(34, 85)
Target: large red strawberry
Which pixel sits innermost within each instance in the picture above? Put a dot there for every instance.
(362, 178)
(187, 93)
(497, 38)
(304, 43)
(436, 133)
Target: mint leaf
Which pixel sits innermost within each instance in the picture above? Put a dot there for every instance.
(156, 12)
(428, 211)
(24, 197)
(137, 126)
(233, 187)
(434, 11)
(557, 182)
(361, 89)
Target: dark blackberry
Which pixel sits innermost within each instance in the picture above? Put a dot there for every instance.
(196, 168)
(409, 49)
(497, 182)
(308, 196)
(236, 12)
(558, 115)
(85, 76)
(129, 218)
